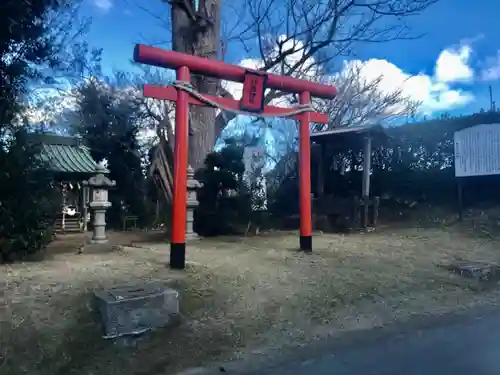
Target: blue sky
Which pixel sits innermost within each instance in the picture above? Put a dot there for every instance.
(460, 36)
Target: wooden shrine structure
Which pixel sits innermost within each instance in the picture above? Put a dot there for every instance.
(71, 162)
(362, 208)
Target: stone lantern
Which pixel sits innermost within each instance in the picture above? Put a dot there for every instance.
(100, 185)
(191, 204)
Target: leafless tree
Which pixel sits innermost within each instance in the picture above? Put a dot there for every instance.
(324, 29)
(362, 101)
(159, 113)
(159, 116)
(301, 38)
(308, 38)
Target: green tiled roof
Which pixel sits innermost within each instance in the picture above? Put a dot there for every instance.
(68, 159)
(65, 154)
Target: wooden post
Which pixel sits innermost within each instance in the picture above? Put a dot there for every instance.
(85, 193)
(355, 213)
(305, 241)
(320, 188)
(460, 199)
(365, 193)
(178, 243)
(157, 213)
(63, 218)
(376, 207)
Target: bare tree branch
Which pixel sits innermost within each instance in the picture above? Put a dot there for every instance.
(360, 100)
(324, 29)
(306, 39)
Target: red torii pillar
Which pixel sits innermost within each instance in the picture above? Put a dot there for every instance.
(254, 85)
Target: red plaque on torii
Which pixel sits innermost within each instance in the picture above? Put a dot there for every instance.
(254, 85)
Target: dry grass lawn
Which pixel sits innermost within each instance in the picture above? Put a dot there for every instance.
(238, 296)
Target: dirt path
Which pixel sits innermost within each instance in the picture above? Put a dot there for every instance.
(238, 296)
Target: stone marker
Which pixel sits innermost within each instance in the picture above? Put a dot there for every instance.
(132, 310)
(474, 270)
(479, 272)
(192, 202)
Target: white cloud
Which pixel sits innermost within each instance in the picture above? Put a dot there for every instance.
(104, 5)
(491, 72)
(432, 92)
(452, 65)
(47, 106)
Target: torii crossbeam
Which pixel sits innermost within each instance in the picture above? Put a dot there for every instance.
(252, 102)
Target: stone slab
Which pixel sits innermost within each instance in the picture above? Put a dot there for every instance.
(478, 271)
(135, 309)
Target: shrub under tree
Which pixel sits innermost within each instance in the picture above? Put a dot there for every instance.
(225, 202)
(29, 200)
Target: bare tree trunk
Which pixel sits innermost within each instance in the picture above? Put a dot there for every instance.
(197, 32)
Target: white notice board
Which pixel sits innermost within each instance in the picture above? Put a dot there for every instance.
(477, 151)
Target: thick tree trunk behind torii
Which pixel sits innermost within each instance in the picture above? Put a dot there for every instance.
(197, 32)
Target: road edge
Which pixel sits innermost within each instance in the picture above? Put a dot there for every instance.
(256, 361)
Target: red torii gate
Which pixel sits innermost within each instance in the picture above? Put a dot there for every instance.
(252, 102)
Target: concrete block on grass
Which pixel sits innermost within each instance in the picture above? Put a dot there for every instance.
(135, 309)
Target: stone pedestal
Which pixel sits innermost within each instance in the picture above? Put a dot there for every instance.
(99, 224)
(191, 204)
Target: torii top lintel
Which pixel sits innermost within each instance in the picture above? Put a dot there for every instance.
(217, 69)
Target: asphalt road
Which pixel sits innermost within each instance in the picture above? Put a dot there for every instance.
(468, 347)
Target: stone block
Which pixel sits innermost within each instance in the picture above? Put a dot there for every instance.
(483, 274)
(474, 270)
(132, 310)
